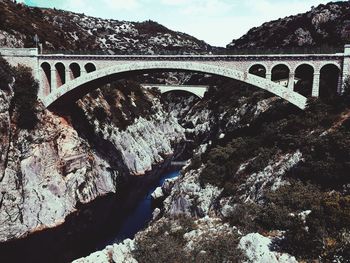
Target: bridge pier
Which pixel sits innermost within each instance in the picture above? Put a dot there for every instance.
(316, 85)
(291, 78)
(54, 79)
(341, 83)
(69, 74)
(268, 74)
(346, 67)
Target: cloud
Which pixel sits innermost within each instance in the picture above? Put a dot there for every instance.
(79, 6)
(122, 4)
(208, 7)
(174, 2)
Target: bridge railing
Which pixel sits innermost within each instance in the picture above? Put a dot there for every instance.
(281, 51)
(214, 51)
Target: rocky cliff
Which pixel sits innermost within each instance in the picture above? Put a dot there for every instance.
(116, 136)
(324, 26)
(268, 183)
(63, 30)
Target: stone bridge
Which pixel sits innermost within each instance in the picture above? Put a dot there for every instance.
(71, 76)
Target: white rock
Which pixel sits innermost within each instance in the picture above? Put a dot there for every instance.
(257, 248)
(158, 193)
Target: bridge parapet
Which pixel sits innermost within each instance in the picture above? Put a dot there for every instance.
(19, 52)
(346, 66)
(24, 56)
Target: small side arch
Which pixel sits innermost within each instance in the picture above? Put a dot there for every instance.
(329, 80)
(259, 70)
(280, 74)
(60, 74)
(90, 67)
(304, 75)
(46, 77)
(75, 71)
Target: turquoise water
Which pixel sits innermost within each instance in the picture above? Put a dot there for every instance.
(142, 214)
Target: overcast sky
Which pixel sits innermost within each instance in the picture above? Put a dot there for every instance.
(215, 21)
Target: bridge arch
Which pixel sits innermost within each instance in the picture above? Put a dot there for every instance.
(75, 70)
(280, 71)
(46, 77)
(330, 76)
(258, 69)
(305, 63)
(80, 86)
(331, 63)
(60, 74)
(90, 67)
(304, 74)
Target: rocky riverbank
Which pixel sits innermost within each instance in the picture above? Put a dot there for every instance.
(51, 174)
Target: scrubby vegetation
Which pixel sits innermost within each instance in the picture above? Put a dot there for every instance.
(25, 89)
(324, 27)
(25, 97)
(127, 102)
(313, 207)
(6, 74)
(166, 243)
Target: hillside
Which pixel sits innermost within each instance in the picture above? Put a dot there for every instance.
(264, 181)
(64, 30)
(268, 183)
(325, 25)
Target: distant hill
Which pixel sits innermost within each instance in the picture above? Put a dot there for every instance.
(64, 30)
(324, 26)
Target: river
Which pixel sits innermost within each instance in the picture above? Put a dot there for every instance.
(100, 224)
(140, 216)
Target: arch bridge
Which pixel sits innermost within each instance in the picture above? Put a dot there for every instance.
(71, 76)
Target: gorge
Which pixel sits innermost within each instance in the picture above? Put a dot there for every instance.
(264, 181)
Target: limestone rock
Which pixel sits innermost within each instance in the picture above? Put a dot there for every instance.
(158, 193)
(257, 249)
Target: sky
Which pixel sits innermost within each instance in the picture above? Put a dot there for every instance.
(217, 22)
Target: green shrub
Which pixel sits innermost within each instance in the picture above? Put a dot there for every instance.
(25, 97)
(166, 244)
(303, 241)
(218, 249)
(6, 74)
(160, 248)
(161, 245)
(100, 114)
(127, 102)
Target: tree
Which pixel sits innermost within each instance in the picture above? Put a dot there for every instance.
(25, 97)
(6, 74)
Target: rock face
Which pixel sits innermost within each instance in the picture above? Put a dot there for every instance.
(257, 248)
(46, 173)
(205, 205)
(62, 30)
(50, 171)
(142, 141)
(323, 25)
(118, 253)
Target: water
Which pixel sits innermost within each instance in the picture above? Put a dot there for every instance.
(141, 215)
(92, 229)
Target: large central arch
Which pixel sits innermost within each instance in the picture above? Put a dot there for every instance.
(82, 85)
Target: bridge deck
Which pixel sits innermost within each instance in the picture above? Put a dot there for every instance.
(194, 57)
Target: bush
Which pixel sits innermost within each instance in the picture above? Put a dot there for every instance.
(6, 74)
(218, 249)
(127, 102)
(166, 244)
(162, 245)
(25, 98)
(100, 114)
